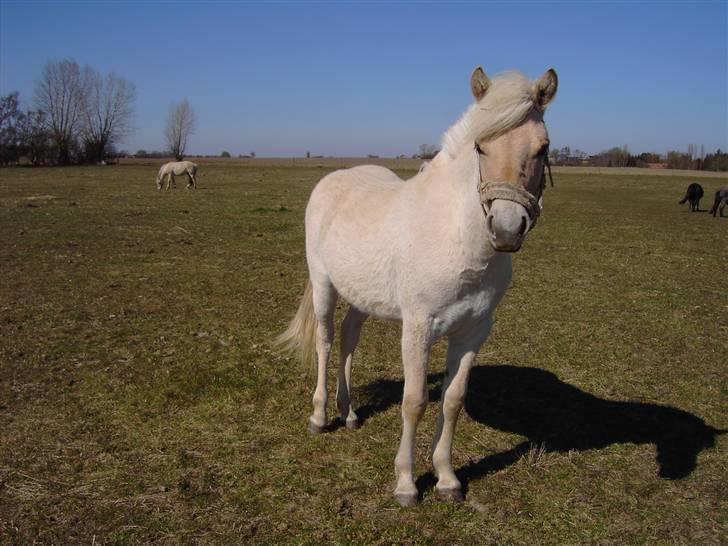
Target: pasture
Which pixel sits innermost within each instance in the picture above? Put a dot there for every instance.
(141, 401)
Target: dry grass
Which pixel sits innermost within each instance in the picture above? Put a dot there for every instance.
(140, 400)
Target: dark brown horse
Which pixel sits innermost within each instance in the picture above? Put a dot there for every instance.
(693, 195)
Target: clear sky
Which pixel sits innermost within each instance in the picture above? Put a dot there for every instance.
(353, 78)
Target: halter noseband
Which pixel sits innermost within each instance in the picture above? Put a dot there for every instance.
(491, 190)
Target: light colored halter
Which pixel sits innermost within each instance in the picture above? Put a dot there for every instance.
(491, 190)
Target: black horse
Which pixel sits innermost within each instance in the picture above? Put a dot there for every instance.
(693, 195)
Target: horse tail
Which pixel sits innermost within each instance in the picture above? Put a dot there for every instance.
(299, 339)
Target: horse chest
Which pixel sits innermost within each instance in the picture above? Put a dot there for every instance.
(471, 295)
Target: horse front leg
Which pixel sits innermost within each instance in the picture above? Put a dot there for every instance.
(350, 330)
(461, 353)
(416, 344)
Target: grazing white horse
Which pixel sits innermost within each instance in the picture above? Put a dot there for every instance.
(177, 168)
(432, 252)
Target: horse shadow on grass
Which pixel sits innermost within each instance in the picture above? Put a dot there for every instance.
(558, 417)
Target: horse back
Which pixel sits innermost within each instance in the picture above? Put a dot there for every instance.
(359, 191)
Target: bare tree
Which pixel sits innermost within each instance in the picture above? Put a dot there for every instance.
(427, 151)
(59, 94)
(108, 109)
(180, 125)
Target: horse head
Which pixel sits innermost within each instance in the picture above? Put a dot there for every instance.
(513, 153)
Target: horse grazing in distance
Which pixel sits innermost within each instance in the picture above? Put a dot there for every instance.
(433, 252)
(693, 195)
(721, 199)
(177, 168)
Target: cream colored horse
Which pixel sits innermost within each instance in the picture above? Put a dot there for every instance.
(177, 168)
(432, 252)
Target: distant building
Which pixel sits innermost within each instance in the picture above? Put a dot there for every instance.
(657, 165)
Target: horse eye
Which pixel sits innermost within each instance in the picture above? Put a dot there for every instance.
(543, 150)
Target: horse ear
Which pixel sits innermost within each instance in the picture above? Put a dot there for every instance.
(479, 83)
(545, 88)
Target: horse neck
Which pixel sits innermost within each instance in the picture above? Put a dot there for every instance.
(452, 186)
(455, 181)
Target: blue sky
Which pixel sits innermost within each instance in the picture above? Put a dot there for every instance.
(353, 78)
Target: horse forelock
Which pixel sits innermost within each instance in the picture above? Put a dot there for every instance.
(506, 104)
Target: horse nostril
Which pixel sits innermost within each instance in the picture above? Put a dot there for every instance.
(524, 225)
(489, 225)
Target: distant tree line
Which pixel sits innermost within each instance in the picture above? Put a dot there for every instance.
(426, 151)
(621, 157)
(153, 154)
(78, 116)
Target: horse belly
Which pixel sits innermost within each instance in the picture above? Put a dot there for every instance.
(362, 275)
(374, 299)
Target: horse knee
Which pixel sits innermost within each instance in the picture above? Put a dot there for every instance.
(453, 402)
(413, 405)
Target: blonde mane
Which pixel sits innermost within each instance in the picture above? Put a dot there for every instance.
(507, 102)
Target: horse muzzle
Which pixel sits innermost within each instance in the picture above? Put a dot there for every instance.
(507, 224)
(510, 213)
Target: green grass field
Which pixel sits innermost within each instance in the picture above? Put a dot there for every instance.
(141, 400)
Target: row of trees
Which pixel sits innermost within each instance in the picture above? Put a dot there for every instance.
(21, 133)
(621, 157)
(708, 162)
(79, 115)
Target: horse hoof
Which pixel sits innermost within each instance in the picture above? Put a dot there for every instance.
(450, 495)
(352, 424)
(406, 499)
(313, 428)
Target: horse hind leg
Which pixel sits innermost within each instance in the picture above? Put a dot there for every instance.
(350, 331)
(324, 306)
